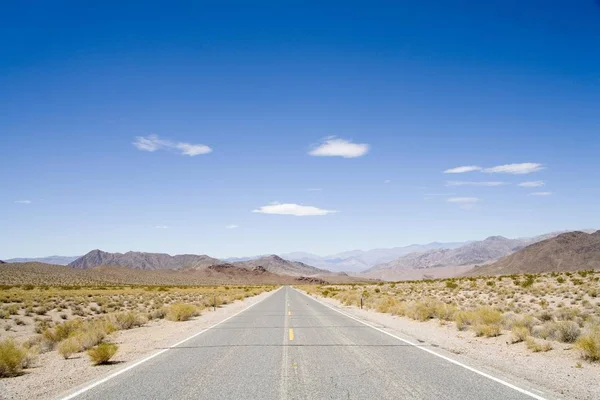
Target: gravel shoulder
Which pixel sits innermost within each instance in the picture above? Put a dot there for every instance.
(559, 371)
(51, 376)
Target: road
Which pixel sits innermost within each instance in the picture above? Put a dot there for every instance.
(290, 346)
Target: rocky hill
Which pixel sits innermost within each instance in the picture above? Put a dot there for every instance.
(570, 251)
(278, 265)
(139, 260)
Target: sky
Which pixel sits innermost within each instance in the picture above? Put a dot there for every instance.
(243, 128)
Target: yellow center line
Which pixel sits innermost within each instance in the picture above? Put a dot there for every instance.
(291, 334)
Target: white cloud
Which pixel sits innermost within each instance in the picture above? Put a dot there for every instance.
(387, 181)
(516, 169)
(463, 200)
(532, 184)
(23, 201)
(232, 226)
(153, 143)
(161, 227)
(541, 194)
(292, 209)
(467, 183)
(333, 147)
(463, 169)
(314, 189)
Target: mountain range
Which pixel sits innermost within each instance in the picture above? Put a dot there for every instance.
(160, 261)
(569, 251)
(54, 260)
(440, 263)
(433, 260)
(139, 260)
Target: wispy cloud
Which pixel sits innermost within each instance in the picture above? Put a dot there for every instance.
(23, 202)
(334, 147)
(314, 189)
(232, 226)
(467, 200)
(515, 169)
(466, 203)
(387, 181)
(541, 194)
(463, 169)
(292, 209)
(153, 143)
(532, 184)
(468, 183)
(161, 227)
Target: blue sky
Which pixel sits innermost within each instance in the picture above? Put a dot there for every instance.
(352, 107)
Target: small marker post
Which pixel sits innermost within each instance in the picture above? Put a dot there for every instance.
(361, 302)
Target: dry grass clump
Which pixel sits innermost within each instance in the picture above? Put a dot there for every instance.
(69, 346)
(181, 312)
(13, 358)
(520, 334)
(127, 320)
(102, 353)
(537, 347)
(589, 344)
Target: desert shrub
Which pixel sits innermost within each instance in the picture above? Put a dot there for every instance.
(12, 358)
(566, 331)
(90, 337)
(157, 314)
(464, 319)
(68, 347)
(126, 320)
(589, 345)
(445, 312)
(181, 312)
(422, 310)
(386, 304)
(487, 330)
(102, 353)
(537, 347)
(488, 315)
(451, 285)
(519, 334)
(61, 331)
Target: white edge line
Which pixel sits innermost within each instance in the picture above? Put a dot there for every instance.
(150, 357)
(510, 385)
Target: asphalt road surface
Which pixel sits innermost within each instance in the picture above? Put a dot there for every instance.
(290, 346)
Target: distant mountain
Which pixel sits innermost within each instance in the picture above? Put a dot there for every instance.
(359, 260)
(54, 260)
(278, 265)
(2, 262)
(479, 252)
(570, 251)
(139, 260)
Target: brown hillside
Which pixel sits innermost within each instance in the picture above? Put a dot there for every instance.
(40, 274)
(570, 251)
